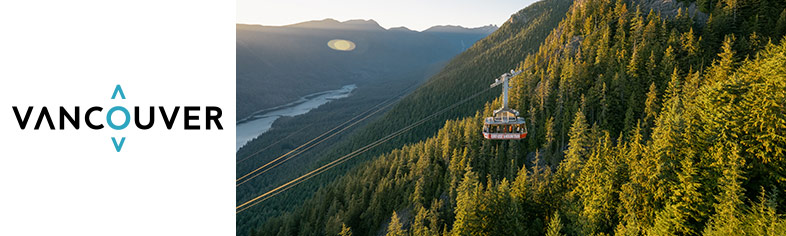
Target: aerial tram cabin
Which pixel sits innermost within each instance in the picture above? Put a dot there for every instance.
(505, 124)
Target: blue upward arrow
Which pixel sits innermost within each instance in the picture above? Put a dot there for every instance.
(120, 90)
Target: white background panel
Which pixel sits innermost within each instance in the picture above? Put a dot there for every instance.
(73, 53)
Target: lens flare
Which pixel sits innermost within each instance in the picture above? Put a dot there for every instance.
(341, 45)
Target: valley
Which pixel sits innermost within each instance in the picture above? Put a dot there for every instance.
(645, 117)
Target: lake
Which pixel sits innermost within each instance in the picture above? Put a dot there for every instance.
(261, 121)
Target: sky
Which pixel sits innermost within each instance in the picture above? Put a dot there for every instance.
(415, 15)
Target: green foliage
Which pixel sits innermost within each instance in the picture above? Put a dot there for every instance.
(555, 226)
(345, 231)
(468, 219)
(632, 132)
(395, 228)
(763, 219)
(728, 208)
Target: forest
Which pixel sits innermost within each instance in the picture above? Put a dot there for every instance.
(641, 122)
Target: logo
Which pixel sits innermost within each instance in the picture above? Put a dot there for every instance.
(93, 119)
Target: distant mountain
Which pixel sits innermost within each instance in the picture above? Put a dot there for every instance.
(278, 65)
(402, 28)
(337, 25)
(458, 29)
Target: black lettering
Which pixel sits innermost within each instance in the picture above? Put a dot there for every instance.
(74, 120)
(87, 118)
(212, 117)
(169, 122)
(149, 124)
(189, 117)
(44, 114)
(22, 122)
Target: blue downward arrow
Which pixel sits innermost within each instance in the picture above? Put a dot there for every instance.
(118, 146)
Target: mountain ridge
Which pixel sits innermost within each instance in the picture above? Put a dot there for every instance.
(270, 57)
(372, 25)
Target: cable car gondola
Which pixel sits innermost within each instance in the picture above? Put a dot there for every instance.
(505, 124)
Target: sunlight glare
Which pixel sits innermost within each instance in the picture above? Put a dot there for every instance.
(341, 45)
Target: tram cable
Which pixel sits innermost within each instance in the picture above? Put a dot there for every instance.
(272, 193)
(250, 203)
(305, 149)
(271, 145)
(306, 146)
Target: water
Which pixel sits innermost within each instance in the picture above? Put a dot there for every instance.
(259, 123)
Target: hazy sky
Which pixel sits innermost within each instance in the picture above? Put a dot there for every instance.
(416, 15)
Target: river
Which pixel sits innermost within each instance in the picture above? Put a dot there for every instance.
(261, 121)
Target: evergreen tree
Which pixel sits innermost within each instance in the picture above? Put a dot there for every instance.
(548, 148)
(578, 144)
(780, 26)
(395, 228)
(604, 109)
(728, 208)
(419, 224)
(690, 45)
(763, 219)
(596, 191)
(651, 108)
(636, 195)
(345, 230)
(519, 189)
(723, 67)
(555, 226)
(468, 221)
(668, 63)
(684, 213)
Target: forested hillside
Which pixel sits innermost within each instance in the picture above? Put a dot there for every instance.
(641, 122)
(468, 73)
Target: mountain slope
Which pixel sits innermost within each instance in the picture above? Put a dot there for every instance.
(468, 73)
(637, 127)
(277, 65)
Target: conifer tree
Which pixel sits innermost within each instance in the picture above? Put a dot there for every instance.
(468, 221)
(578, 143)
(418, 197)
(668, 63)
(763, 219)
(729, 201)
(555, 225)
(685, 211)
(547, 151)
(690, 45)
(519, 188)
(395, 228)
(636, 200)
(723, 67)
(506, 216)
(665, 152)
(595, 190)
(651, 108)
(604, 109)
(345, 230)
(780, 26)
(419, 224)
